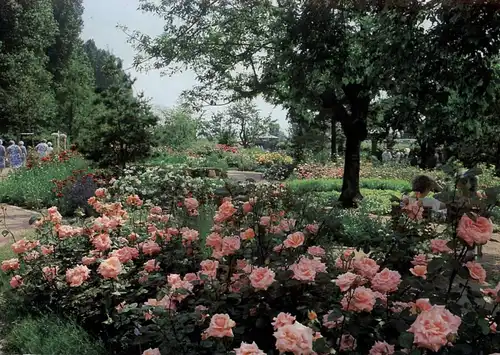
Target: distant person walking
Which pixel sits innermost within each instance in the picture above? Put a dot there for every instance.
(49, 148)
(24, 151)
(15, 155)
(42, 148)
(2, 156)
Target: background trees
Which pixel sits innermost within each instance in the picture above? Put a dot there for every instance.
(324, 60)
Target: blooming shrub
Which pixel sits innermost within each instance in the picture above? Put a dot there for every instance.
(227, 148)
(260, 283)
(164, 186)
(272, 158)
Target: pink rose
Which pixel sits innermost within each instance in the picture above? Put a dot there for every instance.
(312, 228)
(359, 300)
(366, 267)
(265, 221)
(156, 210)
(347, 280)
(419, 271)
(47, 250)
(420, 259)
(414, 211)
(221, 325)
(316, 251)
(86, 260)
(11, 264)
(347, 342)
(295, 338)
(247, 207)
(439, 246)
(247, 234)
(150, 247)
(100, 193)
(150, 351)
(77, 275)
(214, 240)
(423, 304)
(492, 292)
(50, 272)
(126, 254)
(476, 272)
(244, 266)
(209, 268)
(225, 212)
(249, 349)
(191, 203)
(190, 277)
(230, 245)
(189, 235)
(101, 241)
(432, 328)
(282, 319)
(386, 281)
(478, 232)
(303, 270)
(381, 348)
(134, 200)
(151, 265)
(16, 281)
(330, 323)
(261, 278)
(294, 240)
(110, 268)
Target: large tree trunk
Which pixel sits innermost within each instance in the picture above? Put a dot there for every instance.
(333, 147)
(351, 194)
(374, 149)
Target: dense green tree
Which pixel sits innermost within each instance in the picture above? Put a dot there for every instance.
(177, 128)
(248, 122)
(328, 57)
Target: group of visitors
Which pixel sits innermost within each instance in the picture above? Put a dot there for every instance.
(397, 156)
(16, 154)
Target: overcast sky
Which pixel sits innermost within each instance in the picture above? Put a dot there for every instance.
(100, 20)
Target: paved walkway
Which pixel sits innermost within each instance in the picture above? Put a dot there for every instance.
(244, 175)
(15, 220)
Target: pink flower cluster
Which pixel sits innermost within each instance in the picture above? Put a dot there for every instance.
(292, 336)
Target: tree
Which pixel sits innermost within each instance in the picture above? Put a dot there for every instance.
(330, 58)
(248, 122)
(177, 128)
(120, 131)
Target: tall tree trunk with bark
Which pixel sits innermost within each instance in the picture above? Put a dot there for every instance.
(351, 194)
(333, 147)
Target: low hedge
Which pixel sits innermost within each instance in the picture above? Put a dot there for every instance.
(323, 185)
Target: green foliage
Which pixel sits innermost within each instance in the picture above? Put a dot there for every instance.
(33, 188)
(47, 334)
(177, 128)
(319, 185)
(121, 131)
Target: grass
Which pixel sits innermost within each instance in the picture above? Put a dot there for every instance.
(32, 188)
(50, 335)
(324, 185)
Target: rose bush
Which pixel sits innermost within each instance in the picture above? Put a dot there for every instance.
(260, 282)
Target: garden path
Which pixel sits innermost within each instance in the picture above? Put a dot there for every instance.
(245, 175)
(14, 220)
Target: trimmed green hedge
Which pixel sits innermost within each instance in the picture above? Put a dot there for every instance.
(323, 185)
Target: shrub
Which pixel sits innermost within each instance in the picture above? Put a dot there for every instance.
(317, 185)
(32, 188)
(268, 159)
(260, 278)
(50, 335)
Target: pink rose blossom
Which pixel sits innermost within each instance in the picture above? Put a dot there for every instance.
(16, 281)
(86, 260)
(265, 221)
(359, 300)
(386, 281)
(414, 211)
(347, 343)
(110, 268)
(347, 280)
(230, 245)
(261, 278)
(225, 212)
(478, 232)
(221, 325)
(423, 304)
(295, 338)
(77, 275)
(304, 270)
(420, 259)
(100, 193)
(11, 264)
(134, 200)
(157, 210)
(151, 265)
(126, 254)
(366, 267)
(476, 272)
(282, 319)
(330, 324)
(214, 240)
(190, 277)
(101, 241)
(191, 203)
(381, 348)
(294, 240)
(492, 292)
(50, 272)
(312, 228)
(249, 349)
(150, 247)
(47, 249)
(150, 351)
(247, 234)
(209, 268)
(432, 328)
(316, 251)
(439, 246)
(189, 235)
(419, 271)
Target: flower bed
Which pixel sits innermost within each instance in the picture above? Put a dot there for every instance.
(259, 283)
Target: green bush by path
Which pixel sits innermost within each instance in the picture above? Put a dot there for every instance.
(49, 335)
(323, 185)
(32, 188)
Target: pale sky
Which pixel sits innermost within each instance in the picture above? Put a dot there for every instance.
(100, 20)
